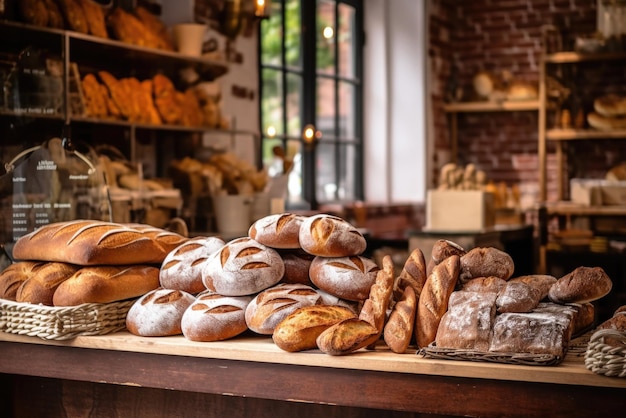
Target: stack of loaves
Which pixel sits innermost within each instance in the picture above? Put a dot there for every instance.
(609, 113)
(85, 261)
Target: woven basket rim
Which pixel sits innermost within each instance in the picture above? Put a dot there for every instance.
(606, 359)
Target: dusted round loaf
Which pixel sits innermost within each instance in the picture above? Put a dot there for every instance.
(41, 285)
(297, 265)
(214, 317)
(484, 284)
(182, 268)
(345, 277)
(14, 275)
(584, 284)
(541, 282)
(329, 236)
(485, 262)
(273, 305)
(517, 297)
(158, 313)
(277, 231)
(242, 267)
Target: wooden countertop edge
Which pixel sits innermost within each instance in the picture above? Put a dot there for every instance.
(261, 349)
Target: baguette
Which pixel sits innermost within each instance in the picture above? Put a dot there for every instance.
(399, 328)
(14, 275)
(40, 287)
(413, 274)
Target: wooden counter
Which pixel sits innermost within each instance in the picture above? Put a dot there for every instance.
(313, 383)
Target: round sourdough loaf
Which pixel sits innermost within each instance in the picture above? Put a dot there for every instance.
(485, 262)
(517, 297)
(273, 305)
(444, 248)
(297, 265)
(214, 317)
(158, 313)
(484, 284)
(277, 231)
(242, 267)
(182, 268)
(330, 236)
(583, 284)
(541, 282)
(40, 287)
(14, 275)
(345, 277)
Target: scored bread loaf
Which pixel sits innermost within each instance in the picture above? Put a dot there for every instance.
(348, 278)
(167, 239)
(484, 284)
(433, 302)
(300, 329)
(413, 274)
(158, 313)
(88, 242)
(214, 317)
(104, 284)
(277, 231)
(14, 275)
(398, 330)
(583, 284)
(374, 308)
(40, 287)
(330, 236)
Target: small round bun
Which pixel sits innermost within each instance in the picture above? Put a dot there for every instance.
(242, 267)
(330, 236)
(158, 313)
(182, 268)
(273, 305)
(277, 231)
(584, 284)
(214, 317)
(297, 265)
(348, 278)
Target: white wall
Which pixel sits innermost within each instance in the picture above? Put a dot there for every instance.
(395, 156)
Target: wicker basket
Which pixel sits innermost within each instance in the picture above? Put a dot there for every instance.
(605, 359)
(524, 359)
(63, 323)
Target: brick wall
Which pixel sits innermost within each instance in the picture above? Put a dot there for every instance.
(506, 35)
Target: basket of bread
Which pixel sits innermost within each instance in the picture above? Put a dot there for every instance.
(606, 350)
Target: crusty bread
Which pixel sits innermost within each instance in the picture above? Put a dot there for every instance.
(40, 287)
(348, 278)
(94, 15)
(606, 123)
(485, 262)
(398, 330)
(74, 15)
(242, 267)
(88, 242)
(618, 323)
(14, 275)
(433, 302)
(300, 329)
(330, 236)
(272, 305)
(278, 230)
(347, 336)
(610, 105)
(297, 265)
(517, 297)
(541, 282)
(167, 239)
(158, 313)
(484, 284)
(104, 284)
(182, 267)
(583, 284)
(375, 306)
(444, 248)
(413, 274)
(584, 318)
(214, 317)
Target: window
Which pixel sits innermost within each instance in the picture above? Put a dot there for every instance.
(313, 78)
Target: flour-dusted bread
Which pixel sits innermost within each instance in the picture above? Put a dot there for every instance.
(348, 278)
(41, 285)
(272, 305)
(14, 275)
(485, 262)
(517, 297)
(484, 284)
(182, 267)
(583, 284)
(297, 265)
(104, 284)
(278, 230)
(214, 317)
(242, 267)
(88, 242)
(541, 282)
(330, 236)
(158, 313)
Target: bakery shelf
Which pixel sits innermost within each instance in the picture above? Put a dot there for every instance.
(570, 57)
(503, 106)
(574, 209)
(578, 134)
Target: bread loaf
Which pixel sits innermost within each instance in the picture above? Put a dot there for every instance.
(610, 105)
(433, 302)
(41, 285)
(347, 336)
(214, 317)
(618, 323)
(443, 249)
(584, 318)
(300, 329)
(182, 267)
(484, 284)
(272, 305)
(485, 262)
(104, 284)
(94, 16)
(398, 330)
(517, 297)
(14, 275)
(541, 282)
(74, 15)
(242, 267)
(330, 236)
(332, 300)
(413, 274)
(375, 306)
(167, 239)
(297, 265)
(277, 231)
(583, 284)
(158, 313)
(87, 242)
(348, 278)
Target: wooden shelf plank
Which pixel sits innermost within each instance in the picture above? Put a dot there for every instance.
(568, 57)
(506, 106)
(570, 208)
(578, 134)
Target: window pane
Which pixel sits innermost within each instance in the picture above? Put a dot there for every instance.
(347, 172)
(326, 36)
(293, 159)
(271, 36)
(347, 118)
(326, 185)
(294, 101)
(271, 161)
(293, 33)
(345, 40)
(271, 104)
(325, 119)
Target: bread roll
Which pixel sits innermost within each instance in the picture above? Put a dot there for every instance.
(485, 262)
(272, 305)
(484, 284)
(242, 267)
(398, 330)
(300, 329)
(348, 278)
(584, 284)
(277, 231)
(347, 336)
(329, 236)
(433, 302)
(413, 274)
(541, 282)
(158, 313)
(14, 275)
(182, 267)
(297, 265)
(517, 297)
(104, 284)
(87, 242)
(40, 287)
(214, 317)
